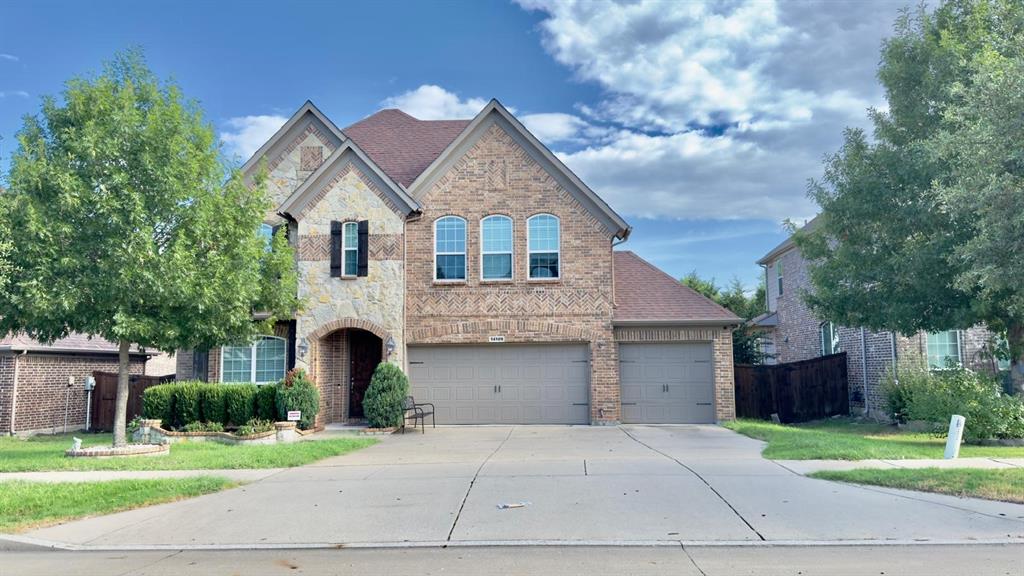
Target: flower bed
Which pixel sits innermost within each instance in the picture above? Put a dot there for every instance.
(110, 451)
(151, 432)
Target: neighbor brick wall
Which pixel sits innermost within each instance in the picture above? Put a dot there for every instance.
(497, 176)
(721, 341)
(6, 391)
(42, 384)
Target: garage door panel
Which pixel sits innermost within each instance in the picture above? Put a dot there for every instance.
(537, 383)
(674, 383)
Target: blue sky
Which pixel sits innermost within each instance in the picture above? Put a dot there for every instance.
(700, 122)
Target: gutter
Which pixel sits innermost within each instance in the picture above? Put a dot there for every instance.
(73, 351)
(727, 322)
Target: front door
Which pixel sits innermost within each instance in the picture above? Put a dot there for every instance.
(364, 354)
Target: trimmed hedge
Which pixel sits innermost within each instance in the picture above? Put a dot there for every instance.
(297, 392)
(157, 403)
(211, 400)
(185, 407)
(240, 400)
(180, 404)
(266, 402)
(384, 400)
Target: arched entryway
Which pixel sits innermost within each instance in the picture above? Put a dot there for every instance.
(346, 359)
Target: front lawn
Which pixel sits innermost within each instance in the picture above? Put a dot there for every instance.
(46, 453)
(851, 439)
(1006, 484)
(26, 505)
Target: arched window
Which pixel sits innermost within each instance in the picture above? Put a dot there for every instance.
(350, 248)
(450, 248)
(262, 362)
(496, 248)
(543, 243)
(829, 339)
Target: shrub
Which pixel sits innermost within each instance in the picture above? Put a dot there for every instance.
(254, 426)
(203, 427)
(211, 400)
(157, 404)
(240, 403)
(297, 392)
(383, 403)
(934, 396)
(185, 406)
(266, 399)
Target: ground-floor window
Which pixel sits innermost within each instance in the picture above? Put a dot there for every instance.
(829, 339)
(943, 349)
(262, 362)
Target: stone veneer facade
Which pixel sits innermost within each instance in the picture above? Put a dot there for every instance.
(798, 337)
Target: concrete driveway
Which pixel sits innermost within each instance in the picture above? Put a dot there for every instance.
(627, 484)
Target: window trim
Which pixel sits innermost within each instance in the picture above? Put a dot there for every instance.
(959, 349)
(465, 249)
(345, 249)
(834, 335)
(529, 252)
(511, 251)
(252, 360)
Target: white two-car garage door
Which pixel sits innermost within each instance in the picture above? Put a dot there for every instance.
(667, 383)
(503, 383)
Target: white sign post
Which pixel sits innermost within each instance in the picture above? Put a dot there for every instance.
(294, 415)
(956, 434)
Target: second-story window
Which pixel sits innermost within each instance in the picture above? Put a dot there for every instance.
(450, 248)
(496, 248)
(267, 233)
(543, 238)
(350, 248)
(778, 275)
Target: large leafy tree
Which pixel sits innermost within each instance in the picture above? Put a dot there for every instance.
(746, 345)
(922, 223)
(130, 227)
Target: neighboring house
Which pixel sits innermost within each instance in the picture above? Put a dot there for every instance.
(792, 332)
(465, 252)
(41, 383)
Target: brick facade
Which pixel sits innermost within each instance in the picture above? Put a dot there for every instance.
(497, 176)
(869, 353)
(42, 389)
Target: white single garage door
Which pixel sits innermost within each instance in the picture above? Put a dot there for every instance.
(667, 383)
(503, 383)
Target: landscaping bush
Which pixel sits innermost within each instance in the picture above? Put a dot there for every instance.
(297, 392)
(211, 400)
(240, 403)
(254, 426)
(185, 406)
(203, 427)
(266, 399)
(157, 403)
(383, 402)
(934, 396)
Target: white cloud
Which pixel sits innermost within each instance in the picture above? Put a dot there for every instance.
(431, 102)
(8, 57)
(552, 127)
(244, 135)
(18, 93)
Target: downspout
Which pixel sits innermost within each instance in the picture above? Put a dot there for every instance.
(14, 390)
(893, 358)
(864, 368)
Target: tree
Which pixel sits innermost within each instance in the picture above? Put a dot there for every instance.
(919, 224)
(131, 228)
(746, 340)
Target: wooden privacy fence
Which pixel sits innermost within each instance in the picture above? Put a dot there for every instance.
(797, 391)
(105, 395)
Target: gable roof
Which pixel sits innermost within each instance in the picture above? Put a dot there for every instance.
(494, 111)
(644, 294)
(72, 343)
(787, 244)
(348, 149)
(292, 125)
(401, 145)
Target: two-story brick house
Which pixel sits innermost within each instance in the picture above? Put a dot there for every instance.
(467, 253)
(792, 332)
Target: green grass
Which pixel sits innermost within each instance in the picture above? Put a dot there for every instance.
(46, 453)
(26, 505)
(1004, 484)
(849, 439)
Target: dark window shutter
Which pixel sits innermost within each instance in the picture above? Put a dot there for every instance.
(200, 364)
(292, 328)
(335, 249)
(364, 245)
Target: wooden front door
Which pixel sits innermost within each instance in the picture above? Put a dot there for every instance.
(364, 356)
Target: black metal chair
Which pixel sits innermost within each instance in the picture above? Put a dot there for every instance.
(416, 413)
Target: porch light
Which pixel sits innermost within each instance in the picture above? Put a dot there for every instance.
(303, 348)
(390, 345)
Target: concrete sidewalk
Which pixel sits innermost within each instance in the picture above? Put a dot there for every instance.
(583, 485)
(240, 475)
(808, 466)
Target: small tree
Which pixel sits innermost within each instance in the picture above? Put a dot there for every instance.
(385, 398)
(746, 340)
(131, 228)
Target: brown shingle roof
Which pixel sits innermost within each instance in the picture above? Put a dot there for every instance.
(71, 343)
(644, 292)
(401, 145)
